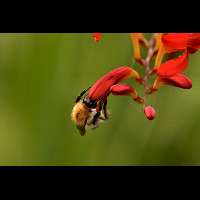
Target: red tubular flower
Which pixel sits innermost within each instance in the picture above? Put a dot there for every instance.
(97, 37)
(105, 85)
(170, 73)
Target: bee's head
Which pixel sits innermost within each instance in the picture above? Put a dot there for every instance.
(90, 103)
(80, 115)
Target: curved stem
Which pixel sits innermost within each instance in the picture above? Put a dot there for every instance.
(160, 55)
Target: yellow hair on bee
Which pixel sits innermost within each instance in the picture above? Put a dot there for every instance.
(79, 115)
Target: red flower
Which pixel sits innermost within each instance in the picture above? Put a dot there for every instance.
(170, 73)
(97, 37)
(173, 42)
(107, 84)
(181, 41)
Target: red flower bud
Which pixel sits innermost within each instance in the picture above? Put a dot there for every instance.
(149, 112)
(97, 37)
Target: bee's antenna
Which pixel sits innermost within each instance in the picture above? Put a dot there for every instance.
(82, 93)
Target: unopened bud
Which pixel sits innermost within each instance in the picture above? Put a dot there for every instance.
(149, 112)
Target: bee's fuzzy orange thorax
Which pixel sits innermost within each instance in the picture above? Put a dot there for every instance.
(79, 112)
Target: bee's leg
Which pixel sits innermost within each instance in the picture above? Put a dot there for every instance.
(95, 118)
(98, 114)
(89, 122)
(105, 109)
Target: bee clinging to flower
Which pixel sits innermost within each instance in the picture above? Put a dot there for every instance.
(90, 108)
(85, 114)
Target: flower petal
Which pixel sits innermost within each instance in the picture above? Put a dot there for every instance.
(102, 87)
(181, 41)
(160, 55)
(125, 90)
(191, 50)
(173, 66)
(178, 80)
(158, 41)
(193, 40)
(137, 39)
(175, 41)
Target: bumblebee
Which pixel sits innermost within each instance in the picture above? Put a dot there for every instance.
(88, 113)
(90, 107)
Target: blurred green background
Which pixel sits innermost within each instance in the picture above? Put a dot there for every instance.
(40, 76)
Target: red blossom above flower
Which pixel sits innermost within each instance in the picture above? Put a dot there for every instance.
(181, 41)
(97, 37)
(173, 42)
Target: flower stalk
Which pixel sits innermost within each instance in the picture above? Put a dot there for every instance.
(148, 70)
